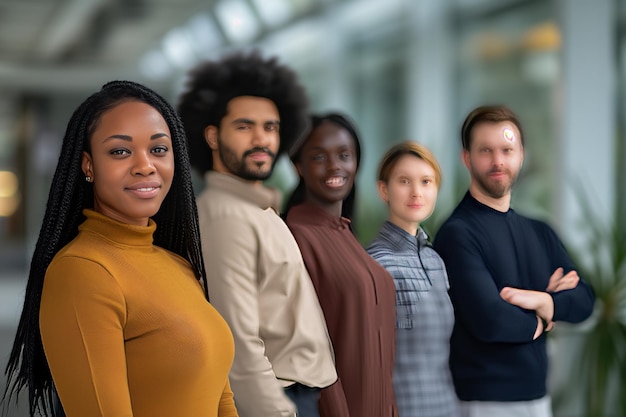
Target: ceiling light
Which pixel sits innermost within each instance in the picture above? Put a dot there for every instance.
(177, 48)
(237, 20)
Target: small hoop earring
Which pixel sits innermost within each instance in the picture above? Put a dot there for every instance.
(88, 178)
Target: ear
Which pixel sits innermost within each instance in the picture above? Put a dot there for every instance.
(210, 135)
(383, 192)
(465, 157)
(87, 165)
(298, 168)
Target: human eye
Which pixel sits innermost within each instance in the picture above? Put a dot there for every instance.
(161, 149)
(271, 127)
(344, 156)
(318, 157)
(119, 152)
(404, 181)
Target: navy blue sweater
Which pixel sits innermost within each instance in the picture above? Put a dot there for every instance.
(493, 356)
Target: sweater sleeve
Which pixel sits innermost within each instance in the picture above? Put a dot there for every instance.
(230, 249)
(474, 293)
(82, 318)
(573, 305)
(227, 403)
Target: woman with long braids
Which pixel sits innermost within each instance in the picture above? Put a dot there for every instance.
(408, 182)
(115, 316)
(356, 293)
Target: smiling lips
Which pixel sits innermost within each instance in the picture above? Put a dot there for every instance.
(335, 182)
(145, 189)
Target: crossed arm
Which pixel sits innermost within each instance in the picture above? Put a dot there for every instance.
(541, 301)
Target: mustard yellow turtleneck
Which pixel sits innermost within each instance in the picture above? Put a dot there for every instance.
(127, 331)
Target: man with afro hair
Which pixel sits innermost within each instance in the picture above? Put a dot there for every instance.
(240, 113)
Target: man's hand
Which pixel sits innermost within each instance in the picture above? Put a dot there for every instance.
(539, 301)
(559, 282)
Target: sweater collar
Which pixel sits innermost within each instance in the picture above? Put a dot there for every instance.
(310, 214)
(117, 232)
(469, 199)
(261, 196)
(401, 237)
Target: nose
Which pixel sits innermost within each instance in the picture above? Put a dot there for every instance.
(261, 137)
(142, 164)
(498, 158)
(332, 164)
(416, 190)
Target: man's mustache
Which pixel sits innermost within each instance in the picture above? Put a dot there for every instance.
(259, 150)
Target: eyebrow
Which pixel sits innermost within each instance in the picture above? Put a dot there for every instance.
(130, 138)
(338, 148)
(252, 122)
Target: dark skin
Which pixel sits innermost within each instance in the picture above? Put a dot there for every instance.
(328, 166)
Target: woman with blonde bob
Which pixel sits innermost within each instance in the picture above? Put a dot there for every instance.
(408, 182)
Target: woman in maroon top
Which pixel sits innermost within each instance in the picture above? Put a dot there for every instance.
(357, 295)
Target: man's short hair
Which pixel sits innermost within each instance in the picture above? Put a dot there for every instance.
(488, 114)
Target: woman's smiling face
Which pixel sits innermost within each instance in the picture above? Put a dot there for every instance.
(131, 164)
(328, 164)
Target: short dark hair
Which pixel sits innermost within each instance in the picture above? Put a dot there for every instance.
(488, 114)
(177, 231)
(212, 84)
(298, 194)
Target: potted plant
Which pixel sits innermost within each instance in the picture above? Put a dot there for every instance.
(597, 374)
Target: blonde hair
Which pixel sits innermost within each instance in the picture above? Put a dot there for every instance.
(390, 159)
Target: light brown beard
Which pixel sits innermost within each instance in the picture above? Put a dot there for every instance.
(498, 190)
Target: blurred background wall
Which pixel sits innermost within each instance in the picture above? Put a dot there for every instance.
(402, 69)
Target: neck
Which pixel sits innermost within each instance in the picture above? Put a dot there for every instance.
(332, 208)
(501, 204)
(409, 227)
(222, 170)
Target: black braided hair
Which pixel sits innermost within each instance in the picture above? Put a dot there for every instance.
(298, 194)
(177, 228)
(212, 84)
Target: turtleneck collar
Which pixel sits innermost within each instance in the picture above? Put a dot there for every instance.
(262, 196)
(118, 232)
(311, 214)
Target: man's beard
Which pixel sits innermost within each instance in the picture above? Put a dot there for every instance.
(253, 171)
(494, 189)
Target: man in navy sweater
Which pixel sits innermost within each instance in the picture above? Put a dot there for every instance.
(510, 279)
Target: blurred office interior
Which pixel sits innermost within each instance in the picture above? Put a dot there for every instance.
(402, 69)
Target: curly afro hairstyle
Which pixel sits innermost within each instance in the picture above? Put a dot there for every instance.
(212, 84)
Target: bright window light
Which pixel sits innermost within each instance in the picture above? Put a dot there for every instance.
(177, 48)
(237, 20)
(204, 34)
(273, 12)
(155, 65)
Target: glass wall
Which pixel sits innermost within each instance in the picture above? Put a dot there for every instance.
(510, 55)
(621, 114)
